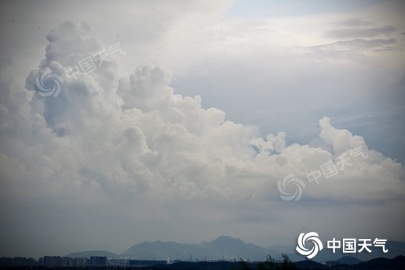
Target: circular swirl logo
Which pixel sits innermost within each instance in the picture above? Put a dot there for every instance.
(311, 236)
(48, 83)
(289, 196)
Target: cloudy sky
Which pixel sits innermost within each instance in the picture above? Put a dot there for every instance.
(197, 110)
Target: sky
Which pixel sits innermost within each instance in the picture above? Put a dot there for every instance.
(195, 118)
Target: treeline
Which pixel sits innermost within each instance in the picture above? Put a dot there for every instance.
(270, 264)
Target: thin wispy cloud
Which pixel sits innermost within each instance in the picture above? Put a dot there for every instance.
(360, 33)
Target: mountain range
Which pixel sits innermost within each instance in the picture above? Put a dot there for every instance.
(224, 247)
(228, 248)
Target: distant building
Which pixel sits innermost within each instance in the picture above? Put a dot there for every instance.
(17, 261)
(52, 261)
(79, 262)
(98, 261)
(143, 262)
(56, 261)
(67, 262)
(118, 262)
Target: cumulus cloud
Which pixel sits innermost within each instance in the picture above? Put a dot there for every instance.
(108, 139)
(136, 133)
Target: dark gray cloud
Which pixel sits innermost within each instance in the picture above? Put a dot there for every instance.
(344, 33)
(354, 22)
(352, 48)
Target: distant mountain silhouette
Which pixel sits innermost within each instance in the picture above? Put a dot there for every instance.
(224, 247)
(374, 264)
(88, 254)
(308, 264)
(382, 263)
(228, 248)
(161, 250)
(349, 260)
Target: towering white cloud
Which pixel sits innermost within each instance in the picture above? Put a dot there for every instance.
(136, 133)
(114, 140)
